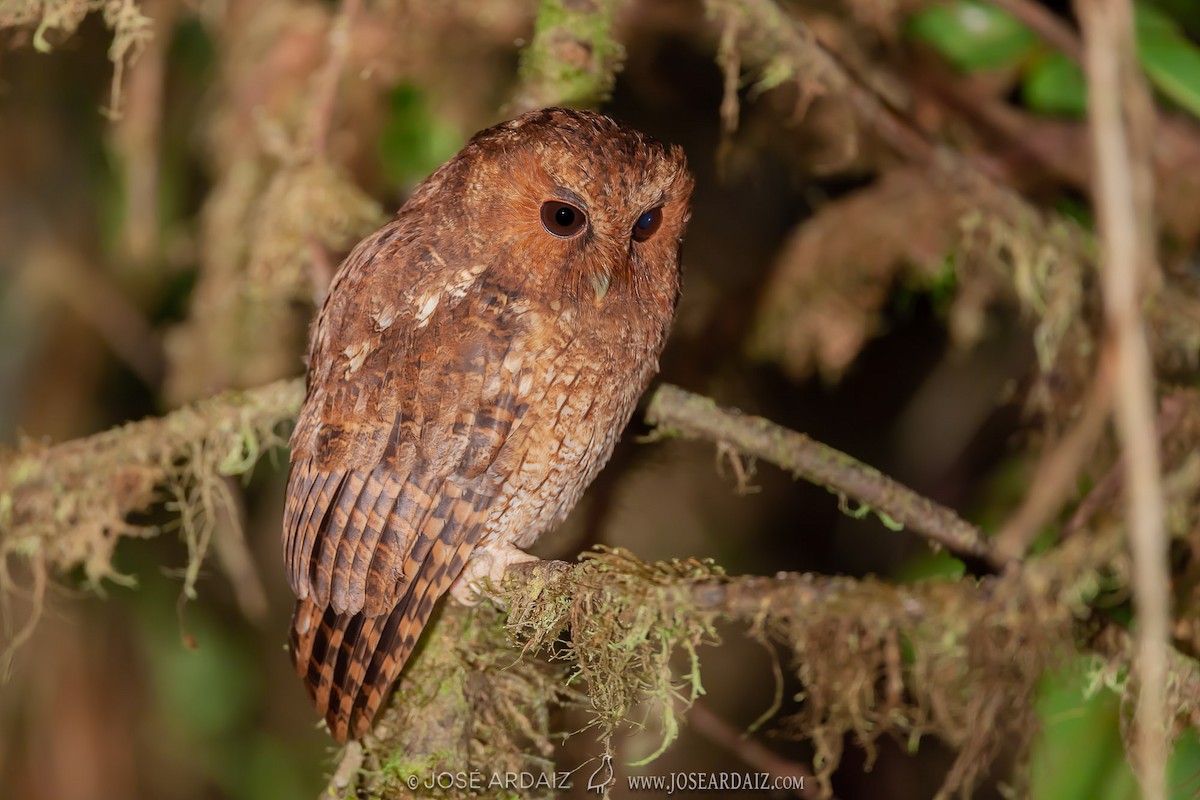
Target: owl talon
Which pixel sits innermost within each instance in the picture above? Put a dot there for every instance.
(486, 565)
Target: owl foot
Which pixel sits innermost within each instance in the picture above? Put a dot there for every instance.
(486, 564)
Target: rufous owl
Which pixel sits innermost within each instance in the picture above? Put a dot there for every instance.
(469, 373)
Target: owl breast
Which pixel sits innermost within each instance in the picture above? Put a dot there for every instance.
(593, 371)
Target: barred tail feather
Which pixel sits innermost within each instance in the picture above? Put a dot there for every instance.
(348, 662)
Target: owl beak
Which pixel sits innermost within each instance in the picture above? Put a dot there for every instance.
(601, 280)
(609, 259)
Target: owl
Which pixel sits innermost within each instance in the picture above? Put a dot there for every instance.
(469, 373)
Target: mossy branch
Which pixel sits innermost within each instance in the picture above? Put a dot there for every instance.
(69, 504)
(678, 412)
(573, 57)
(782, 49)
(131, 29)
(619, 632)
(957, 660)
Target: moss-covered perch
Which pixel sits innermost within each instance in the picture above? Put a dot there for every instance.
(956, 660)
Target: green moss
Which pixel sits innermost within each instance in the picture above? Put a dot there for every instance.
(573, 57)
(466, 704)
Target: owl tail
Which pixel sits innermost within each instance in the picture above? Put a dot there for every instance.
(349, 661)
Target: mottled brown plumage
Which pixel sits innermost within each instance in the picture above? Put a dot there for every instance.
(469, 374)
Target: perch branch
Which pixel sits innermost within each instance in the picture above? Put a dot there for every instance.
(958, 633)
(694, 417)
(50, 495)
(1120, 117)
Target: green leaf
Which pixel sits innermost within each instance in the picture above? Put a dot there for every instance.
(1170, 60)
(1055, 84)
(1150, 20)
(973, 35)
(1183, 768)
(1079, 753)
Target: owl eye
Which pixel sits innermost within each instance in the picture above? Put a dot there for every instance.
(647, 224)
(562, 219)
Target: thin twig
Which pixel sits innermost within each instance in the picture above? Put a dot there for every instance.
(748, 749)
(37, 606)
(1058, 470)
(1174, 409)
(92, 295)
(237, 561)
(138, 136)
(674, 410)
(321, 269)
(1120, 115)
(325, 99)
(730, 61)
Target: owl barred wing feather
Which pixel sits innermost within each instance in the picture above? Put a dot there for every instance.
(393, 475)
(348, 661)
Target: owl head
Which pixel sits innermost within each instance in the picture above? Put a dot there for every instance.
(572, 204)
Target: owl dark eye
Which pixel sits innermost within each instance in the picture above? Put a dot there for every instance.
(647, 224)
(562, 219)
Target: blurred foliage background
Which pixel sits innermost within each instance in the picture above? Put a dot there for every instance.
(166, 230)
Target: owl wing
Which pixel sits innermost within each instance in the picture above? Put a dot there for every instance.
(398, 455)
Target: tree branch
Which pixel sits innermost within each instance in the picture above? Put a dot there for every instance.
(678, 412)
(321, 111)
(964, 634)
(985, 643)
(70, 502)
(1120, 116)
